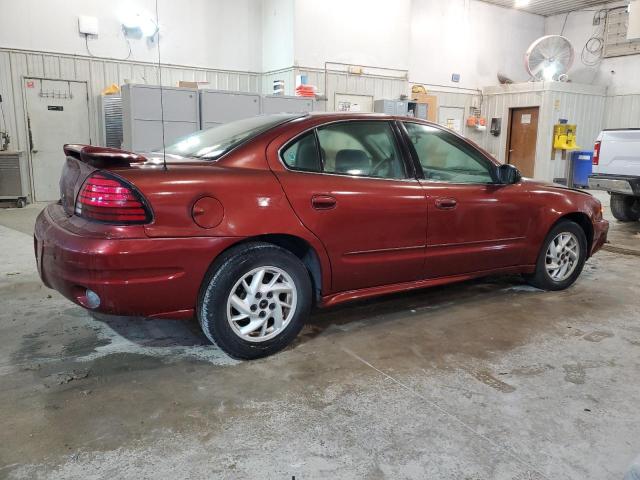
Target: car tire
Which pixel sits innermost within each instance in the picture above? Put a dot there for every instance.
(228, 302)
(625, 207)
(548, 274)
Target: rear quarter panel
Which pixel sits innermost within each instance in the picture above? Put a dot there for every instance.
(252, 199)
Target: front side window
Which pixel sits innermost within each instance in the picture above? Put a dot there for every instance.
(444, 159)
(361, 148)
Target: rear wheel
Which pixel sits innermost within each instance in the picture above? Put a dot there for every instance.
(561, 258)
(254, 300)
(625, 207)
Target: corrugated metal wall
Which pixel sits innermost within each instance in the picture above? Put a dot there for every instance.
(584, 105)
(580, 104)
(362, 84)
(622, 111)
(497, 102)
(585, 109)
(459, 99)
(98, 73)
(286, 74)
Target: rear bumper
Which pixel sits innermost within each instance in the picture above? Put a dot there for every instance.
(156, 277)
(624, 185)
(600, 230)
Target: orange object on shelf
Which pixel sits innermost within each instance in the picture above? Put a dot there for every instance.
(306, 91)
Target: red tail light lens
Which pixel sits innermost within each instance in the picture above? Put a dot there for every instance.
(109, 199)
(596, 154)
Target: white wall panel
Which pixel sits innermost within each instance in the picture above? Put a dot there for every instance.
(579, 104)
(622, 111)
(330, 82)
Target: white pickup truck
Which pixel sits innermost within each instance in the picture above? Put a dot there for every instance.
(616, 169)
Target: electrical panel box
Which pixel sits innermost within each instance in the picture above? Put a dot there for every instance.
(218, 107)
(143, 113)
(286, 104)
(87, 25)
(391, 107)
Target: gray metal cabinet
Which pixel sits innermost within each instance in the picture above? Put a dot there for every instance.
(391, 107)
(218, 107)
(419, 110)
(286, 104)
(142, 115)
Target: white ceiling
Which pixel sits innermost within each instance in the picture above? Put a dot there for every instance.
(549, 7)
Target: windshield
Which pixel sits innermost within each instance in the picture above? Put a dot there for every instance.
(211, 144)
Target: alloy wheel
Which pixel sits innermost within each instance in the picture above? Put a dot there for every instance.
(261, 304)
(563, 254)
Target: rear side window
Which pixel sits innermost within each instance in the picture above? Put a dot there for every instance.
(303, 154)
(360, 148)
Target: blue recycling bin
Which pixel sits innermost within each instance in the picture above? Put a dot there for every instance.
(581, 165)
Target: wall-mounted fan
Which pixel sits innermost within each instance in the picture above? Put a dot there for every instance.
(549, 58)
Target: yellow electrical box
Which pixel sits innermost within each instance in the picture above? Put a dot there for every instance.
(564, 137)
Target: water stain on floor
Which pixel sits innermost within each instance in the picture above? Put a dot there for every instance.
(597, 336)
(488, 379)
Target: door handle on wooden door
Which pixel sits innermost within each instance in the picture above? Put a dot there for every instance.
(446, 203)
(323, 202)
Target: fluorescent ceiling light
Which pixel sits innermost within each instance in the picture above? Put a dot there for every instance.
(521, 3)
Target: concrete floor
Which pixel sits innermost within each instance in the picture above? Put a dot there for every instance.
(489, 379)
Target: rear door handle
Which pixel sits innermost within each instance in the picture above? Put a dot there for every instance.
(323, 202)
(446, 203)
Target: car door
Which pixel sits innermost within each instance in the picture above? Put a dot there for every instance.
(349, 184)
(475, 223)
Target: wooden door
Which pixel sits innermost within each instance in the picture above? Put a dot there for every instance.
(521, 141)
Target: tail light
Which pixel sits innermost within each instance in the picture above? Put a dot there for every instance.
(109, 199)
(596, 153)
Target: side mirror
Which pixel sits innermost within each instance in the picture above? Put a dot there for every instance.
(508, 174)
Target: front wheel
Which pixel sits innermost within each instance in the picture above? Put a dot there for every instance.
(561, 257)
(254, 300)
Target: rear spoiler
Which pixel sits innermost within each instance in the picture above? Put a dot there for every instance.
(102, 156)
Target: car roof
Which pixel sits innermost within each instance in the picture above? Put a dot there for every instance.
(332, 116)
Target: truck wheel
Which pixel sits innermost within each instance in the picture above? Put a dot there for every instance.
(561, 257)
(625, 207)
(254, 300)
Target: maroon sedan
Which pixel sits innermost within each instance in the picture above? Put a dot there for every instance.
(250, 224)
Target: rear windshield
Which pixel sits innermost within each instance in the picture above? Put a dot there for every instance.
(213, 143)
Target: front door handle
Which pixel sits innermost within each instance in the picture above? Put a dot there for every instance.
(323, 202)
(446, 203)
